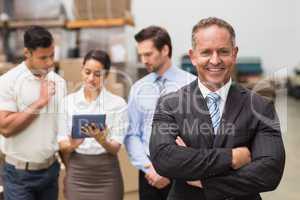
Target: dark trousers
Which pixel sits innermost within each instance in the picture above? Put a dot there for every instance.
(31, 185)
(148, 192)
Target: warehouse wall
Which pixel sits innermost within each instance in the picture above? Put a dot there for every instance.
(266, 28)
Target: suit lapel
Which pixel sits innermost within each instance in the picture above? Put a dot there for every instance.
(200, 111)
(234, 103)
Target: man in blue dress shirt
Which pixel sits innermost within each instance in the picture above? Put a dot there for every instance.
(155, 50)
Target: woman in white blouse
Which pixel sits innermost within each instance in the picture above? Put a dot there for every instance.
(92, 165)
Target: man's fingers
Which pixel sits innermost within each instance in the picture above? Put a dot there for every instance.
(240, 157)
(180, 142)
(148, 178)
(195, 183)
(162, 182)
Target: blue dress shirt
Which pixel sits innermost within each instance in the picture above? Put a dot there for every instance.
(141, 107)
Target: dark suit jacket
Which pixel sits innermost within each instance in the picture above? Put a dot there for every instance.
(248, 120)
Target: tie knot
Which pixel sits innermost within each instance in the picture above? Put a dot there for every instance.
(160, 79)
(213, 97)
(160, 82)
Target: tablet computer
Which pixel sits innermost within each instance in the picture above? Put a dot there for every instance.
(81, 120)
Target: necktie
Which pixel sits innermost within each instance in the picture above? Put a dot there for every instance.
(160, 82)
(212, 100)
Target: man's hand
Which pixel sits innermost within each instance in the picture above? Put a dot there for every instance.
(240, 157)
(180, 142)
(47, 90)
(155, 179)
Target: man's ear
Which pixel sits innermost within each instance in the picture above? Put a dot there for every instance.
(235, 52)
(165, 50)
(192, 57)
(27, 53)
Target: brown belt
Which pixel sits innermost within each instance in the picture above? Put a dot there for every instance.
(30, 165)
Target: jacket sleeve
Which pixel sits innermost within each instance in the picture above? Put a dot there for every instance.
(263, 173)
(173, 161)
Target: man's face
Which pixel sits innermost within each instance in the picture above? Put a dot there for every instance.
(151, 57)
(214, 56)
(40, 61)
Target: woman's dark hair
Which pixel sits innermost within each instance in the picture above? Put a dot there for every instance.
(100, 56)
(158, 35)
(37, 37)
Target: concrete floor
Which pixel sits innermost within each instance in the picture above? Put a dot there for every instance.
(131, 196)
(290, 121)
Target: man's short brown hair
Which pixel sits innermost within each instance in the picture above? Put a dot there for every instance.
(210, 21)
(158, 35)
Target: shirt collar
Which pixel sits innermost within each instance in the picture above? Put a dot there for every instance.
(29, 74)
(222, 92)
(81, 99)
(169, 75)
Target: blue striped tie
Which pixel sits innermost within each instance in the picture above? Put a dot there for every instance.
(160, 81)
(212, 100)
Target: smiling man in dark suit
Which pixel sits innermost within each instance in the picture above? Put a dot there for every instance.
(216, 139)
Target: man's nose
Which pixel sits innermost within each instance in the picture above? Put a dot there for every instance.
(50, 62)
(144, 59)
(215, 59)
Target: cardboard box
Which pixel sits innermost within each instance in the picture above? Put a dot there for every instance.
(96, 9)
(1, 6)
(31, 9)
(5, 66)
(262, 86)
(117, 48)
(129, 173)
(69, 69)
(2, 57)
(6, 9)
(63, 41)
(111, 40)
(1, 43)
(116, 88)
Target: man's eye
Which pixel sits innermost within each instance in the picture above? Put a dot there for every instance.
(205, 53)
(224, 52)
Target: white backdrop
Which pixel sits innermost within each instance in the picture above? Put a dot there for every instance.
(269, 29)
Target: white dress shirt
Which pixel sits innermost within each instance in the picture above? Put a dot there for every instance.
(222, 92)
(107, 103)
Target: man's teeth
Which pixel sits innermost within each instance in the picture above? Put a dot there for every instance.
(214, 69)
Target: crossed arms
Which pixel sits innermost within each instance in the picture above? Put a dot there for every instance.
(215, 167)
